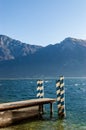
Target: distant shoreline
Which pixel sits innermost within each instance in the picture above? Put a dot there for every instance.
(21, 78)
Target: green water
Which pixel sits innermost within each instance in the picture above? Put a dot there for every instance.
(47, 125)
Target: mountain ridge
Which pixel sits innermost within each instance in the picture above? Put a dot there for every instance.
(65, 58)
(15, 48)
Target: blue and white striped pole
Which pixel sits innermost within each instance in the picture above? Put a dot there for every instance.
(40, 94)
(60, 97)
(58, 92)
(40, 89)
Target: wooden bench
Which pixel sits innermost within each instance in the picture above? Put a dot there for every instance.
(14, 111)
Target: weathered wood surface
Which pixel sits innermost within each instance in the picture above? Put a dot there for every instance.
(12, 116)
(14, 111)
(26, 103)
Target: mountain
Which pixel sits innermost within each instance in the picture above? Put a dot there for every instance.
(12, 49)
(67, 58)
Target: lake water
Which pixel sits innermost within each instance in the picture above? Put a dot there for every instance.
(75, 100)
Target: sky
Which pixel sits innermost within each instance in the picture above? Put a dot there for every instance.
(43, 22)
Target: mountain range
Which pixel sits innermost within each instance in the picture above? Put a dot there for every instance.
(21, 60)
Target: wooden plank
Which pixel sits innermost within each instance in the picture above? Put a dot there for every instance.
(14, 111)
(26, 103)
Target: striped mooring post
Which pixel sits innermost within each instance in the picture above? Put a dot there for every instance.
(60, 97)
(40, 89)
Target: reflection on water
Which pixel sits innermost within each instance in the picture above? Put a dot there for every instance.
(38, 125)
(46, 125)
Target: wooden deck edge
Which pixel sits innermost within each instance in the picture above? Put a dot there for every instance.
(15, 111)
(26, 103)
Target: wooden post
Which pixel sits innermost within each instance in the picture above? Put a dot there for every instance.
(51, 110)
(40, 89)
(60, 97)
(40, 110)
(62, 114)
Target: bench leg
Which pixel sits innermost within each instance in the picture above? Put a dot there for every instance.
(41, 109)
(51, 109)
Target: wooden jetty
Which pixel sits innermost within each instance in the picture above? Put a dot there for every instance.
(14, 111)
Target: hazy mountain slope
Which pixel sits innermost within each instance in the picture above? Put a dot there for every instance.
(67, 58)
(11, 49)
